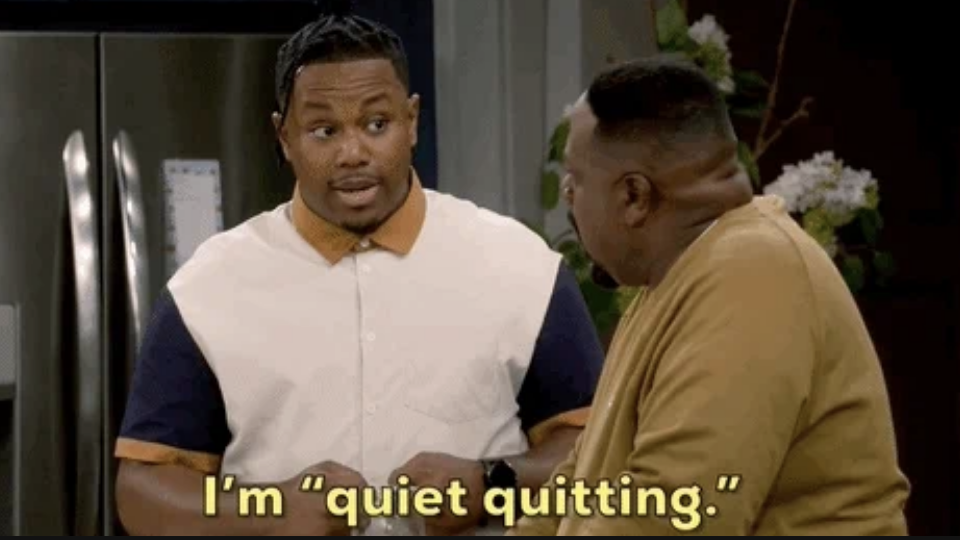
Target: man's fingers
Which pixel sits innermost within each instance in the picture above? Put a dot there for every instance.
(407, 469)
(335, 474)
(396, 474)
(327, 469)
(412, 477)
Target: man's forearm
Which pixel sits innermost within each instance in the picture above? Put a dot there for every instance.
(536, 467)
(166, 500)
(555, 455)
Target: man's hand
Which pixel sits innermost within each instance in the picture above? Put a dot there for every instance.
(306, 512)
(439, 471)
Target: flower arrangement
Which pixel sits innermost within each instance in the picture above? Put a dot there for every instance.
(710, 49)
(837, 205)
(829, 197)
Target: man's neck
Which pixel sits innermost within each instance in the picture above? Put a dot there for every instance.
(659, 265)
(685, 228)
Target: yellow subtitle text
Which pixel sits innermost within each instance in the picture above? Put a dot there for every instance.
(683, 506)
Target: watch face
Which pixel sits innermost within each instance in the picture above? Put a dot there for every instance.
(502, 475)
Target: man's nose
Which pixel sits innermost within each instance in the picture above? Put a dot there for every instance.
(353, 152)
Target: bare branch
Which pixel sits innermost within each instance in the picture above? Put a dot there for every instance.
(801, 113)
(768, 117)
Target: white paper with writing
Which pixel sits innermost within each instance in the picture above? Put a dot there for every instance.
(194, 207)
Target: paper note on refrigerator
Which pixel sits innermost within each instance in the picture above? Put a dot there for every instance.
(194, 207)
(9, 350)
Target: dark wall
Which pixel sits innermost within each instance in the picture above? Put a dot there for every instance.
(885, 101)
(411, 19)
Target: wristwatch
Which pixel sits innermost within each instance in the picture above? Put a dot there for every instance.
(498, 474)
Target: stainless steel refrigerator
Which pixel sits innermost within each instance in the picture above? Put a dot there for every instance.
(118, 155)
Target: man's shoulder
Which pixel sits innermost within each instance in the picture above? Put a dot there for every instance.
(235, 248)
(764, 239)
(756, 253)
(471, 222)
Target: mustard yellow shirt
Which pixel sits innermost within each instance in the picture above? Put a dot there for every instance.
(748, 373)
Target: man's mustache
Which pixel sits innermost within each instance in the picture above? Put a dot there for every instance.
(598, 274)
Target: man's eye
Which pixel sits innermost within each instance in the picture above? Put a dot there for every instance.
(377, 125)
(323, 132)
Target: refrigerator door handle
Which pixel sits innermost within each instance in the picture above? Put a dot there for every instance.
(134, 231)
(86, 260)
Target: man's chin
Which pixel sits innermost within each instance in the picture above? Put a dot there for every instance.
(361, 228)
(361, 223)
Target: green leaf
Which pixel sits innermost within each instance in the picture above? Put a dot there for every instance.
(818, 225)
(750, 82)
(873, 197)
(575, 258)
(602, 304)
(852, 268)
(755, 112)
(672, 27)
(870, 224)
(558, 142)
(749, 164)
(550, 190)
(839, 219)
(570, 249)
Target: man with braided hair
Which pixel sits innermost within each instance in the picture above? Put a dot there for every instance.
(370, 331)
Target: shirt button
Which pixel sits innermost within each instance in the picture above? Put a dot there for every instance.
(364, 243)
(371, 337)
(365, 268)
(371, 409)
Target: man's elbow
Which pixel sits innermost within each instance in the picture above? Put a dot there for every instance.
(562, 438)
(132, 506)
(567, 434)
(125, 497)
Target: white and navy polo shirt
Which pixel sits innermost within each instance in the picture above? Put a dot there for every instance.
(285, 341)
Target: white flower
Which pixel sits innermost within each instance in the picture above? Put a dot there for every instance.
(714, 55)
(706, 30)
(726, 85)
(823, 182)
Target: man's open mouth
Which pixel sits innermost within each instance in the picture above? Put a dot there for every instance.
(357, 194)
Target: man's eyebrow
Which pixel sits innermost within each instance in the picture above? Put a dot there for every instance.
(316, 105)
(374, 98)
(325, 106)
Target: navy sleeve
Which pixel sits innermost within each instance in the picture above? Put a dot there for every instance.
(567, 360)
(175, 411)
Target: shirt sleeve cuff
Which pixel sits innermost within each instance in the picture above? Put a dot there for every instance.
(161, 454)
(573, 418)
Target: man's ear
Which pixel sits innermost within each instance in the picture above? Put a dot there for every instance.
(413, 110)
(281, 133)
(637, 199)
